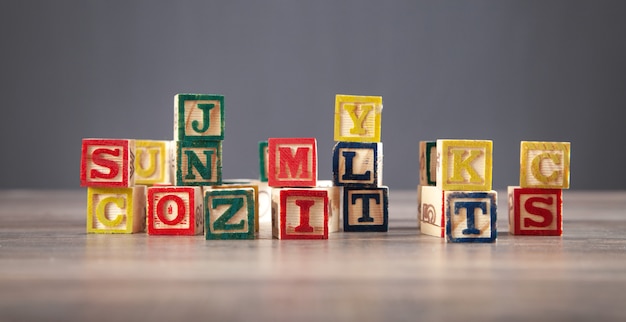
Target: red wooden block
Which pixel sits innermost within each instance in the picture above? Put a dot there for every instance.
(107, 163)
(535, 211)
(300, 213)
(175, 211)
(292, 162)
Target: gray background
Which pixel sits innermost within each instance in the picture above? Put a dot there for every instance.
(500, 70)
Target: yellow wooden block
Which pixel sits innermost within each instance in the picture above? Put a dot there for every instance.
(464, 165)
(544, 164)
(152, 162)
(358, 118)
(116, 210)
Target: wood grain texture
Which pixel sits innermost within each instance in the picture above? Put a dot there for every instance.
(198, 163)
(175, 211)
(471, 216)
(152, 162)
(366, 209)
(116, 210)
(544, 164)
(107, 163)
(334, 204)
(358, 164)
(243, 183)
(464, 165)
(52, 270)
(534, 211)
(292, 162)
(230, 213)
(358, 118)
(300, 213)
(428, 163)
(432, 219)
(198, 117)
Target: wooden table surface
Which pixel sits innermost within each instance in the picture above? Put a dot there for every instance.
(51, 270)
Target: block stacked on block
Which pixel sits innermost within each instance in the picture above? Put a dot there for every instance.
(461, 204)
(536, 205)
(114, 203)
(299, 208)
(358, 163)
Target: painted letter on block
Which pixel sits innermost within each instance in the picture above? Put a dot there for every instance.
(292, 162)
(230, 213)
(116, 210)
(300, 213)
(107, 163)
(198, 163)
(464, 165)
(534, 211)
(544, 165)
(365, 209)
(152, 162)
(431, 216)
(357, 164)
(358, 118)
(471, 216)
(198, 117)
(175, 211)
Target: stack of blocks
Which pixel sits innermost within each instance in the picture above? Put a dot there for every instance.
(535, 206)
(171, 187)
(358, 163)
(457, 201)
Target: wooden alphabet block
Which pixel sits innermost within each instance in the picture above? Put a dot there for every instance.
(357, 164)
(175, 211)
(300, 213)
(432, 220)
(198, 117)
(464, 165)
(229, 213)
(544, 165)
(263, 157)
(358, 118)
(107, 163)
(365, 209)
(241, 184)
(471, 216)
(292, 162)
(428, 163)
(334, 204)
(116, 210)
(535, 211)
(198, 163)
(152, 162)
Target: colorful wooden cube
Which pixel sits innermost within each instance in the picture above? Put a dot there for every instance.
(300, 213)
(263, 157)
(175, 210)
(198, 117)
(357, 164)
(243, 183)
(544, 165)
(365, 209)
(198, 163)
(428, 163)
(334, 204)
(229, 213)
(116, 210)
(358, 118)
(107, 163)
(292, 162)
(464, 165)
(471, 216)
(152, 162)
(535, 211)
(431, 216)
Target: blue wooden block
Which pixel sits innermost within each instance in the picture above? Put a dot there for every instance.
(365, 209)
(471, 216)
(357, 164)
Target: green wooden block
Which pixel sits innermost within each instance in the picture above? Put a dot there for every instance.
(198, 163)
(263, 161)
(229, 213)
(198, 117)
